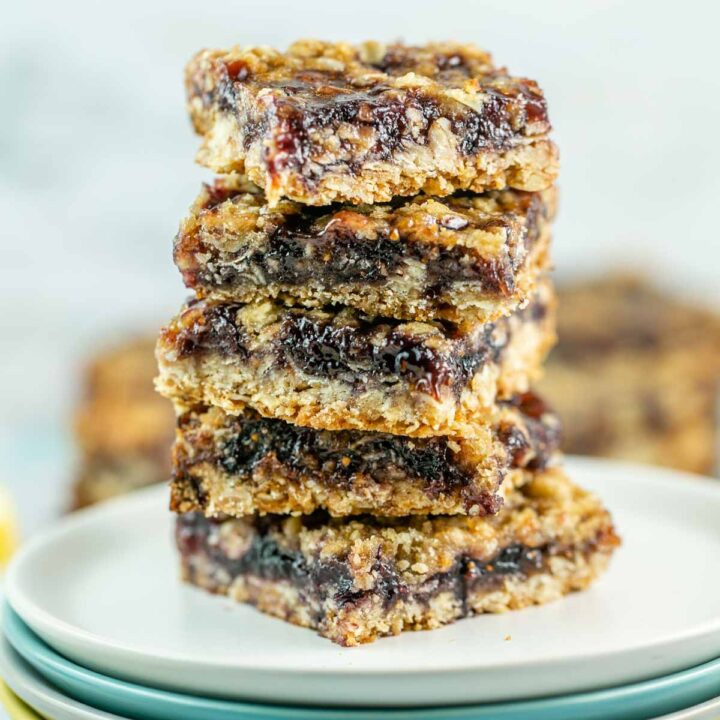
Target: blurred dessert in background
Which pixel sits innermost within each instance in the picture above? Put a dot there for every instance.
(636, 375)
(123, 428)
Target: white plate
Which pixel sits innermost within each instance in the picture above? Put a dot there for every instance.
(42, 697)
(47, 701)
(102, 589)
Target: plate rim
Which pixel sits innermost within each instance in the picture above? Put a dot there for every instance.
(33, 690)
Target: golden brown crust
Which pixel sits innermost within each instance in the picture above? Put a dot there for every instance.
(326, 122)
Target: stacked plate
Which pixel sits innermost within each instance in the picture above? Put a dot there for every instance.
(95, 628)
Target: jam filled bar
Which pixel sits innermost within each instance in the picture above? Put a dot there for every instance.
(467, 256)
(645, 387)
(358, 579)
(246, 464)
(326, 122)
(341, 370)
(123, 428)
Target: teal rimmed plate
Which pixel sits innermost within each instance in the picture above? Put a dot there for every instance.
(651, 698)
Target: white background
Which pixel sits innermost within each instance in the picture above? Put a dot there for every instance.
(96, 161)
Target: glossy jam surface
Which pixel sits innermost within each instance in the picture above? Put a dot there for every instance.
(354, 351)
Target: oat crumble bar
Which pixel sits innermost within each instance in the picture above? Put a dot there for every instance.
(332, 122)
(123, 428)
(644, 387)
(467, 256)
(247, 464)
(339, 369)
(357, 579)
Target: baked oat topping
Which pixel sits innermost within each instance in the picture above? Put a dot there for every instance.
(324, 122)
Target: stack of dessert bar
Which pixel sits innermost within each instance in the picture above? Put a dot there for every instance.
(358, 449)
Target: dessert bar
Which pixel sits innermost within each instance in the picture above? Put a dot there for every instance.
(645, 387)
(357, 579)
(122, 426)
(337, 369)
(328, 122)
(464, 257)
(245, 464)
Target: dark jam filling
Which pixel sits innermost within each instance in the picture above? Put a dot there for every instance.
(214, 330)
(351, 352)
(313, 100)
(335, 256)
(470, 575)
(340, 458)
(314, 246)
(495, 127)
(333, 578)
(532, 443)
(195, 535)
(323, 349)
